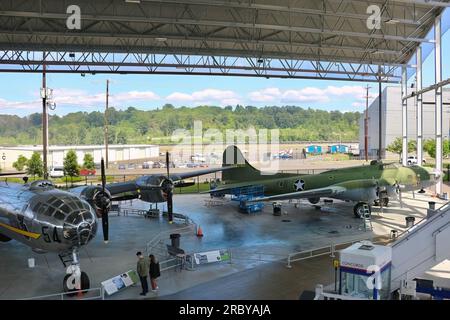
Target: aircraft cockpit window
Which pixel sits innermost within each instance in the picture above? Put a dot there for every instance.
(36, 207)
(87, 216)
(74, 218)
(59, 215)
(57, 203)
(64, 208)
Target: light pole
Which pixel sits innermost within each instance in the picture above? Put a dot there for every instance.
(366, 126)
(106, 124)
(47, 96)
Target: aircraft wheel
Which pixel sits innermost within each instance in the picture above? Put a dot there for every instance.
(358, 210)
(313, 200)
(85, 283)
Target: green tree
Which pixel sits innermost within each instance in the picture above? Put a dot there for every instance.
(396, 146)
(430, 147)
(35, 167)
(71, 167)
(21, 163)
(88, 161)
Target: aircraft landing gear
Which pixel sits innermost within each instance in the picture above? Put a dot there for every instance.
(385, 202)
(75, 279)
(358, 209)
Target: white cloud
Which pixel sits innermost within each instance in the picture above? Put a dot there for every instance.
(206, 96)
(358, 104)
(84, 99)
(308, 94)
(23, 105)
(265, 95)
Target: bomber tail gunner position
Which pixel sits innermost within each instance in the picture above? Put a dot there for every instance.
(363, 185)
(51, 220)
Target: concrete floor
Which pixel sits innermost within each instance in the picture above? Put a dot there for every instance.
(259, 243)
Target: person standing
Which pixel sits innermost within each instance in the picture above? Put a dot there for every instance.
(154, 272)
(142, 269)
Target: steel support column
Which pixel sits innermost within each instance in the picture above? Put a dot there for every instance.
(438, 100)
(419, 106)
(404, 117)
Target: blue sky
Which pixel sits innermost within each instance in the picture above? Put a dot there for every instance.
(19, 93)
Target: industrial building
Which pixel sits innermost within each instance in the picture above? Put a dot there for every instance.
(391, 116)
(316, 236)
(57, 153)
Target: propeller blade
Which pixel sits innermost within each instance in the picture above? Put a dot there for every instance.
(167, 164)
(103, 173)
(105, 210)
(170, 192)
(105, 226)
(170, 206)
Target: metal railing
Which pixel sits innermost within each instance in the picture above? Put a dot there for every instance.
(321, 251)
(322, 295)
(73, 295)
(163, 235)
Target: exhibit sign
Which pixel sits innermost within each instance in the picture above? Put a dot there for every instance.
(212, 256)
(120, 282)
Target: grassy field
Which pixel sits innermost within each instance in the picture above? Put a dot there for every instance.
(192, 189)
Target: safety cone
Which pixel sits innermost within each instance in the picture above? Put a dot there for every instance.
(199, 232)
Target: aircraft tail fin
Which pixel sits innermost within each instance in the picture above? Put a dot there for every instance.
(244, 171)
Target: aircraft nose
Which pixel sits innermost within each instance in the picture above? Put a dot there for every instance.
(80, 226)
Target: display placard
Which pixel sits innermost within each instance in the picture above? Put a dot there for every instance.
(211, 256)
(120, 282)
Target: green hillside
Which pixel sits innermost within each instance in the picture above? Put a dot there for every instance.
(137, 126)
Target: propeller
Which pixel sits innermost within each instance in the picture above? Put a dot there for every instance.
(103, 201)
(167, 187)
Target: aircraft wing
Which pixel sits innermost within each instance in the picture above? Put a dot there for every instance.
(186, 175)
(229, 187)
(313, 193)
(132, 188)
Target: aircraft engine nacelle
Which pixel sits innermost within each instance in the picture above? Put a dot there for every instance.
(154, 188)
(97, 198)
(152, 196)
(360, 195)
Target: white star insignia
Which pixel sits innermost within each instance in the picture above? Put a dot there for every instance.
(299, 185)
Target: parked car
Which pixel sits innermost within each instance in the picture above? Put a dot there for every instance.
(57, 172)
(122, 167)
(131, 166)
(412, 160)
(156, 165)
(87, 172)
(145, 165)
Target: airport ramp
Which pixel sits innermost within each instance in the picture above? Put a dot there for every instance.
(421, 247)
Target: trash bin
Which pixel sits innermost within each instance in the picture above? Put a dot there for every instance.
(277, 209)
(175, 238)
(445, 196)
(31, 263)
(432, 205)
(410, 221)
